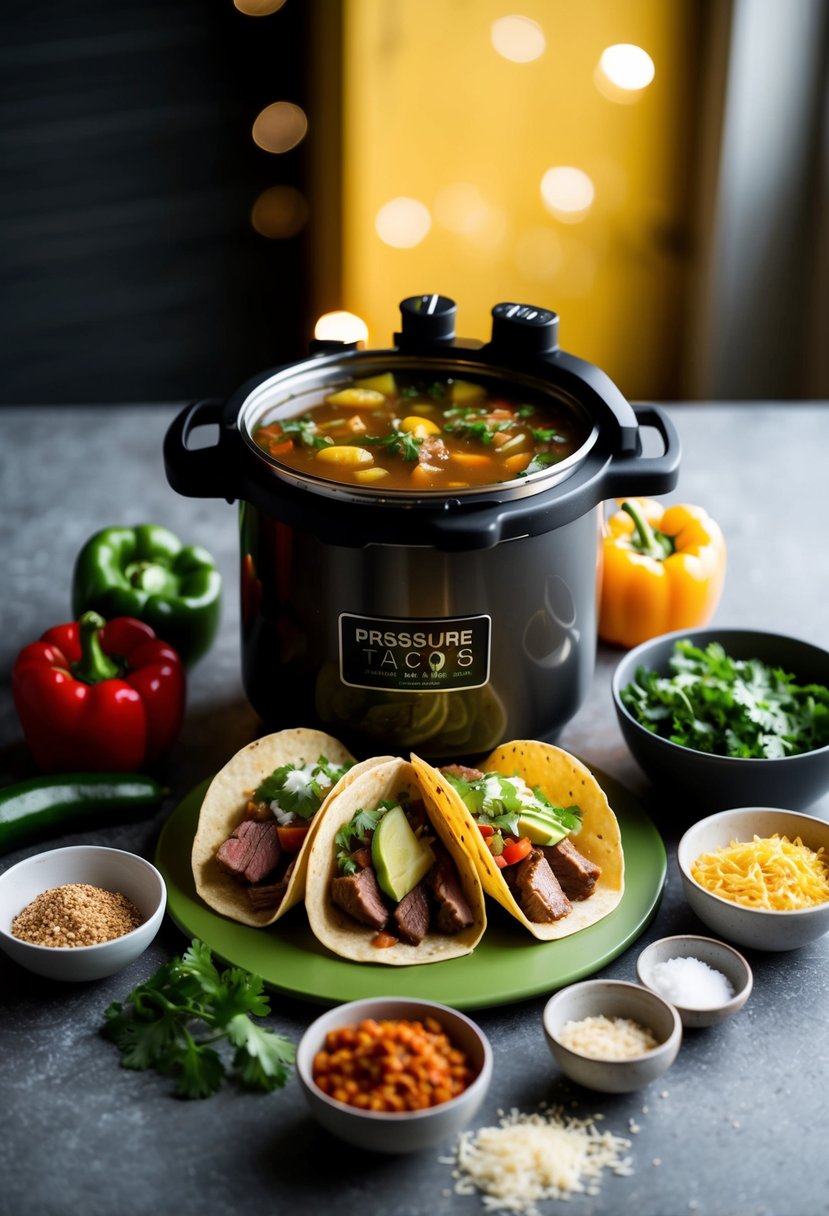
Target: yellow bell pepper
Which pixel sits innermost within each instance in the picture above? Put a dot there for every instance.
(664, 569)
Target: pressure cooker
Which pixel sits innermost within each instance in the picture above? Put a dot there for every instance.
(443, 621)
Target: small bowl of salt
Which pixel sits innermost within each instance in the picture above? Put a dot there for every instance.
(704, 979)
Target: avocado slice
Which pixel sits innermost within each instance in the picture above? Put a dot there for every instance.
(540, 829)
(400, 858)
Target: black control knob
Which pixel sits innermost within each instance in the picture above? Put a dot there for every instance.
(426, 320)
(523, 329)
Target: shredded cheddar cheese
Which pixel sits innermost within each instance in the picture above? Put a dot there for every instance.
(773, 873)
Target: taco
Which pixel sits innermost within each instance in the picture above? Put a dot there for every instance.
(538, 824)
(387, 880)
(258, 819)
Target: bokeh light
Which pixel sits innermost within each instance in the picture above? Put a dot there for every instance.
(340, 327)
(623, 72)
(538, 254)
(258, 8)
(403, 222)
(518, 39)
(462, 208)
(567, 193)
(279, 213)
(280, 127)
(459, 207)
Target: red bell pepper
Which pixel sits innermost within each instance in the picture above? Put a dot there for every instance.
(99, 696)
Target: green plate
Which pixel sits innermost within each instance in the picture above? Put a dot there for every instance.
(508, 964)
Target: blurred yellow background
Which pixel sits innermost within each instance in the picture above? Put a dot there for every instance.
(446, 143)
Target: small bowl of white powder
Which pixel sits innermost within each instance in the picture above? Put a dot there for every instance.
(704, 979)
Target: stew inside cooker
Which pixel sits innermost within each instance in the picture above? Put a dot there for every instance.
(399, 432)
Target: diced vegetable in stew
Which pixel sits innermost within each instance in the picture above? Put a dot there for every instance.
(396, 434)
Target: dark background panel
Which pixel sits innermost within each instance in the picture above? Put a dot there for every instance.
(128, 266)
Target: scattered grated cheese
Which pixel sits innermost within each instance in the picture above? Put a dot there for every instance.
(773, 873)
(603, 1038)
(531, 1157)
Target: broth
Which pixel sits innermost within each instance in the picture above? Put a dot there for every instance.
(399, 432)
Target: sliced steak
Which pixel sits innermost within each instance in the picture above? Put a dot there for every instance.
(359, 895)
(463, 771)
(538, 891)
(252, 851)
(452, 912)
(411, 916)
(576, 874)
(270, 894)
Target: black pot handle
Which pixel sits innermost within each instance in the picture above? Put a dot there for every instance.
(638, 474)
(206, 472)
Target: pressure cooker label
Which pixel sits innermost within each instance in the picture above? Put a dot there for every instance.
(415, 655)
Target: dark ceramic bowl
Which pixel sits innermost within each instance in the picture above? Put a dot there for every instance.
(715, 783)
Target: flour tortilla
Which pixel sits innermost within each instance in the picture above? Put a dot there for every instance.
(566, 782)
(223, 809)
(333, 927)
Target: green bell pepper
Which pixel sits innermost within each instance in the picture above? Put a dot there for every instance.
(146, 572)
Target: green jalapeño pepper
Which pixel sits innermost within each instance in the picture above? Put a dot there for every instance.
(146, 572)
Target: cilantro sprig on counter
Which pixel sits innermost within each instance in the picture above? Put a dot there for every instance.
(171, 1022)
(729, 707)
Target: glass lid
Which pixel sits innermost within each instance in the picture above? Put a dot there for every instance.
(402, 426)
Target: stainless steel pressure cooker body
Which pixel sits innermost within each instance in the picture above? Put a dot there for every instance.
(442, 622)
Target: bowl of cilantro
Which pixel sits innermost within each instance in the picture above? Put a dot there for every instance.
(727, 717)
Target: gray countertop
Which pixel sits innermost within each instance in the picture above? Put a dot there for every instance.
(734, 1129)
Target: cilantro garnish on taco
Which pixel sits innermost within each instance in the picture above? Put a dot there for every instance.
(387, 880)
(545, 841)
(258, 819)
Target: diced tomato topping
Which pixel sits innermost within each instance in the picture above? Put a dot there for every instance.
(486, 830)
(383, 940)
(499, 861)
(517, 851)
(292, 838)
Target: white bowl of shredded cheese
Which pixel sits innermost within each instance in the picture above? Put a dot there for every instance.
(610, 1035)
(758, 876)
(705, 979)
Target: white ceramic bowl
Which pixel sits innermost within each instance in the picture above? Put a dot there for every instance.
(613, 999)
(390, 1132)
(111, 869)
(753, 927)
(716, 955)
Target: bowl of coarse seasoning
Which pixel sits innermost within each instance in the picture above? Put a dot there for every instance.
(80, 913)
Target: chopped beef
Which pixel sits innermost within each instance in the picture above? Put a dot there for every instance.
(359, 895)
(463, 771)
(453, 912)
(252, 851)
(412, 915)
(537, 889)
(265, 895)
(432, 452)
(270, 895)
(575, 872)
